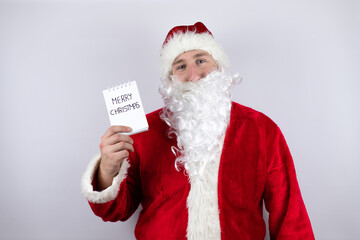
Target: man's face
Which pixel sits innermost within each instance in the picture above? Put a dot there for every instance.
(193, 65)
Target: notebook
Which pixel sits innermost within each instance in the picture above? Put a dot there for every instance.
(124, 107)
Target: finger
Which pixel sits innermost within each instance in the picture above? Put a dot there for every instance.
(113, 154)
(121, 146)
(116, 129)
(116, 138)
(122, 154)
(109, 150)
(113, 161)
(118, 157)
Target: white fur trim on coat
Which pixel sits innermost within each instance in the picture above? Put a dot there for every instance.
(184, 42)
(109, 193)
(202, 204)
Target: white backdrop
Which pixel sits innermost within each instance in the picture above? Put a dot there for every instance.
(300, 61)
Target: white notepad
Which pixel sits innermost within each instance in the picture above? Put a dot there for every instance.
(124, 107)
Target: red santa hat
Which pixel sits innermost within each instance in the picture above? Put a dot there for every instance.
(181, 39)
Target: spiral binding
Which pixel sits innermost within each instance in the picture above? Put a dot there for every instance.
(121, 85)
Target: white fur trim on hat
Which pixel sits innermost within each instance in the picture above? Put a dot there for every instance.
(109, 193)
(183, 42)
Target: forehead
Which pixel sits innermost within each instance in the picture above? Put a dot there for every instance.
(191, 54)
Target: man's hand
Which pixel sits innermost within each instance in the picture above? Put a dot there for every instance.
(114, 148)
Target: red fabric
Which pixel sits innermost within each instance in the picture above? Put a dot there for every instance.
(255, 165)
(198, 27)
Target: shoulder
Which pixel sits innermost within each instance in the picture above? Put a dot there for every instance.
(252, 119)
(154, 120)
(154, 116)
(244, 113)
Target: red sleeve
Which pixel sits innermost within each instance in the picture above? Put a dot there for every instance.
(128, 197)
(288, 218)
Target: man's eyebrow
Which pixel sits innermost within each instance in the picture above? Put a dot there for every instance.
(178, 61)
(200, 55)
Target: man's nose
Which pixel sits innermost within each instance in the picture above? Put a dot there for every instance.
(194, 74)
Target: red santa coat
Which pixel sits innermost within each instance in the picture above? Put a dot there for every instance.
(255, 167)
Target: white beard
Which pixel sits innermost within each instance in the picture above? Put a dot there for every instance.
(198, 113)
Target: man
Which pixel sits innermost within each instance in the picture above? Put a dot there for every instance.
(206, 165)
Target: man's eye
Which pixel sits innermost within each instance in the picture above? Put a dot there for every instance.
(180, 67)
(200, 61)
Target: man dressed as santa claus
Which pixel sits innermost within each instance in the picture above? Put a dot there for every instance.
(206, 165)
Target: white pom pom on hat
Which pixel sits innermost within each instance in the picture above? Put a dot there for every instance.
(181, 39)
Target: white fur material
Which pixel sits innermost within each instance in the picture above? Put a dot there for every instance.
(184, 42)
(202, 204)
(109, 193)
